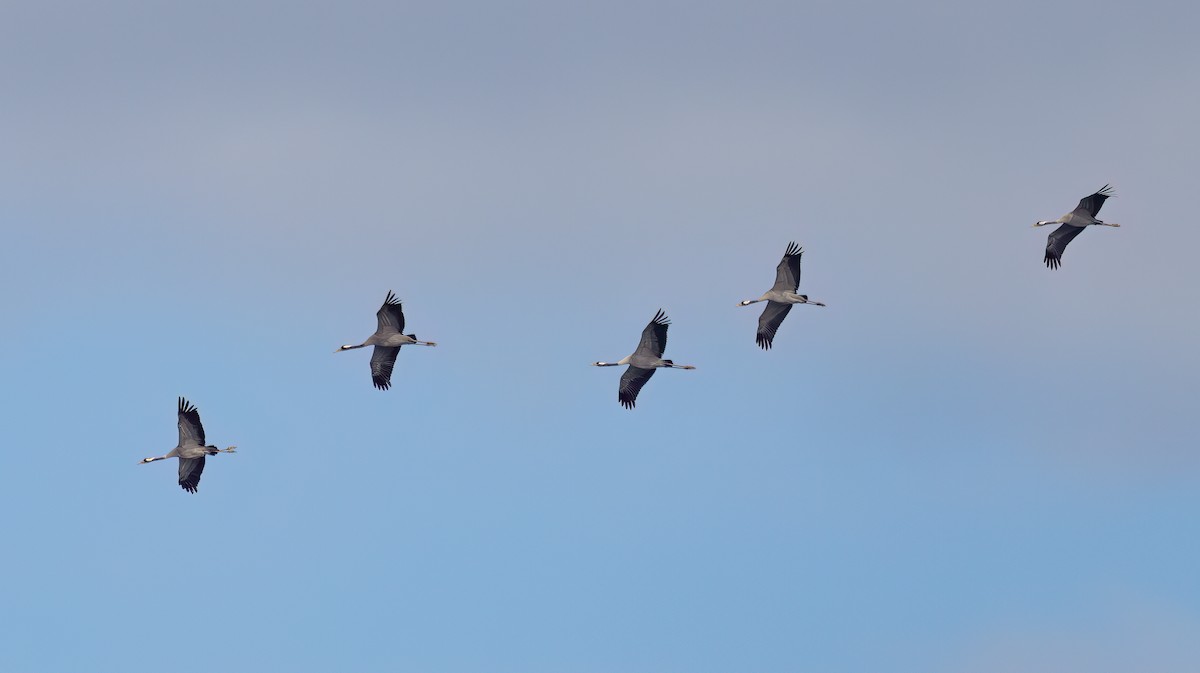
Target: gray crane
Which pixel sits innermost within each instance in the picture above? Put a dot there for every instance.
(644, 360)
(780, 297)
(387, 340)
(191, 449)
(1073, 223)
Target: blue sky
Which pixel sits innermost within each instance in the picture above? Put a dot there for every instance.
(966, 463)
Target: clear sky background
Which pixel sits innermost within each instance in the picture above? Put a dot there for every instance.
(967, 463)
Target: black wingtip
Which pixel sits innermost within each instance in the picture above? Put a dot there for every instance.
(763, 342)
(380, 383)
(793, 249)
(1052, 262)
(391, 299)
(628, 401)
(660, 318)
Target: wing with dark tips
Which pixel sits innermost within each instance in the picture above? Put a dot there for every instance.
(631, 383)
(191, 432)
(787, 274)
(654, 337)
(390, 315)
(1090, 205)
(189, 473)
(382, 361)
(769, 322)
(1057, 242)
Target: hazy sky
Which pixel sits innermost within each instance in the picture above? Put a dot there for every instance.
(967, 463)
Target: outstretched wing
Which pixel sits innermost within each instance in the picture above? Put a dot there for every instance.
(189, 473)
(1090, 205)
(191, 432)
(1057, 242)
(382, 361)
(769, 322)
(787, 274)
(391, 314)
(631, 383)
(654, 337)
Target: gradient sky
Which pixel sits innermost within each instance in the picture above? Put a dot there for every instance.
(967, 463)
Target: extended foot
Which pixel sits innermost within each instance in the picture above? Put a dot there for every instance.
(228, 449)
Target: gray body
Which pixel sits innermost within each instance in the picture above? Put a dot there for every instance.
(644, 360)
(1073, 224)
(191, 449)
(387, 340)
(781, 297)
